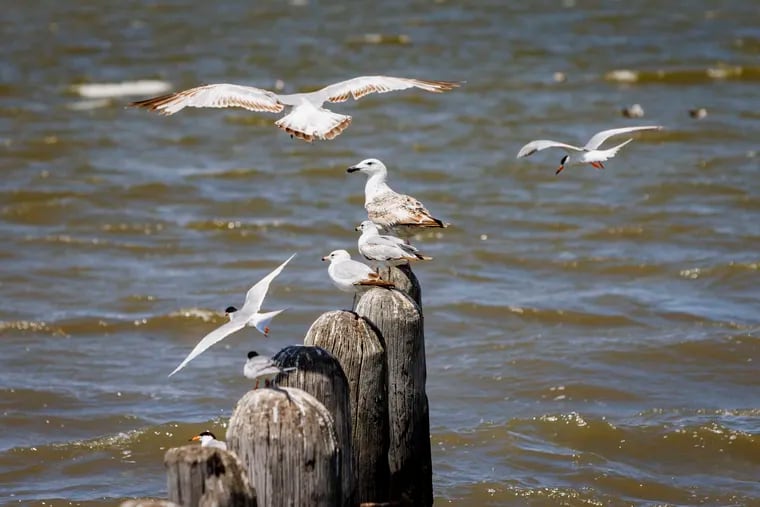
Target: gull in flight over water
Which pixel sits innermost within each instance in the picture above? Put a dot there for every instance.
(308, 120)
(248, 315)
(385, 249)
(588, 154)
(259, 367)
(352, 276)
(209, 440)
(388, 209)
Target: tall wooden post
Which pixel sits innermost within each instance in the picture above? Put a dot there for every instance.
(204, 476)
(405, 280)
(287, 443)
(359, 348)
(399, 320)
(320, 374)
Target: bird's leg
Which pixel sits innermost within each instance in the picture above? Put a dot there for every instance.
(257, 384)
(283, 391)
(267, 383)
(597, 165)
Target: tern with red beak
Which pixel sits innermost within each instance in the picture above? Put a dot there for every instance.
(588, 154)
(259, 367)
(248, 315)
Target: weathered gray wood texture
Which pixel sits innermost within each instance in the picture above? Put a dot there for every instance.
(404, 279)
(360, 350)
(399, 320)
(320, 374)
(206, 477)
(287, 443)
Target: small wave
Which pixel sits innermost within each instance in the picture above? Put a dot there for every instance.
(547, 316)
(123, 89)
(88, 105)
(684, 76)
(381, 39)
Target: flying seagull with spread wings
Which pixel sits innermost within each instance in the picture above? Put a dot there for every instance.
(307, 120)
(588, 154)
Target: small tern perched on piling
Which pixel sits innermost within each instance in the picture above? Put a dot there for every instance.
(588, 154)
(352, 276)
(208, 439)
(248, 315)
(385, 249)
(308, 120)
(388, 209)
(259, 367)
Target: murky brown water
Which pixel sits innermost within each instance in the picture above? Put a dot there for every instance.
(592, 338)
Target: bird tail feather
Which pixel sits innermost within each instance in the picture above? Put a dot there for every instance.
(312, 123)
(264, 319)
(613, 151)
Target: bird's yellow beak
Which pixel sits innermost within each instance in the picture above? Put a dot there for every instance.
(559, 170)
(195, 438)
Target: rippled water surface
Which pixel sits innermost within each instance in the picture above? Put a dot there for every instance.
(592, 337)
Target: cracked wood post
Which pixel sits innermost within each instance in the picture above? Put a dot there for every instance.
(404, 280)
(206, 477)
(399, 319)
(320, 374)
(287, 443)
(360, 350)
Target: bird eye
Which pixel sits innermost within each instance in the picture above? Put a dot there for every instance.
(370, 163)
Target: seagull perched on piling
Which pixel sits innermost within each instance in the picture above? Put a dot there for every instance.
(259, 367)
(388, 209)
(208, 439)
(588, 154)
(385, 249)
(308, 120)
(350, 275)
(248, 315)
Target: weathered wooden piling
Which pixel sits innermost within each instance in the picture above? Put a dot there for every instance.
(287, 442)
(320, 374)
(354, 342)
(205, 477)
(404, 279)
(399, 320)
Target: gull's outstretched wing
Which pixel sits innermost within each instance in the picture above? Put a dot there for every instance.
(598, 138)
(358, 87)
(256, 294)
(213, 337)
(214, 95)
(541, 144)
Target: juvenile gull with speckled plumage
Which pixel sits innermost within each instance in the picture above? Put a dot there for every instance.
(387, 208)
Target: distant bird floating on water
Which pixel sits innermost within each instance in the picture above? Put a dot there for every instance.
(208, 439)
(352, 276)
(248, 315)
(589, 154)
(259, 367)
(308, 120)
(633, 111)
(388, 209)
(385, 249)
